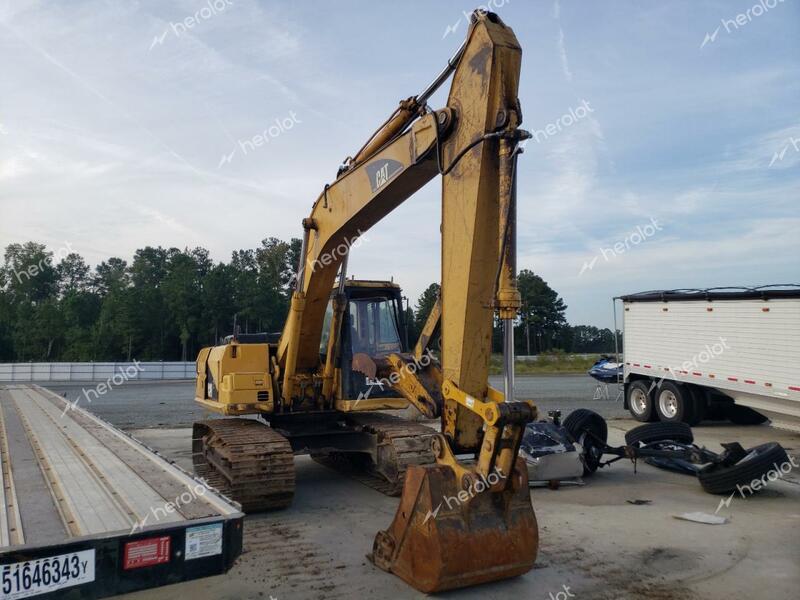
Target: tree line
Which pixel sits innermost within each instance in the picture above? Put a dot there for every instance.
(165, 304)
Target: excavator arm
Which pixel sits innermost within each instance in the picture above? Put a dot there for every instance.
(345, 210)
(473, 145)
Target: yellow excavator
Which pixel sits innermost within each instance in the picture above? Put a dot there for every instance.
(465, 515)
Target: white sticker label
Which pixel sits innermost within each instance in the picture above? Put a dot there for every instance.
(42, 575)
(205, 540)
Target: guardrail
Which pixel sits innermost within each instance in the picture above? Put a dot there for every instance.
(95, 371)
(546, 357)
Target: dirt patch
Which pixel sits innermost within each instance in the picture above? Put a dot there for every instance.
(278, 554)
(621, 576)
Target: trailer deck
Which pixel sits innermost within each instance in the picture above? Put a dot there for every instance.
(87, 511)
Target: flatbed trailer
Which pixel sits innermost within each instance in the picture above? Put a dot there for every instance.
(89, 512)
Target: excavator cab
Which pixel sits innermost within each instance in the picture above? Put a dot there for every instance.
(371, 327)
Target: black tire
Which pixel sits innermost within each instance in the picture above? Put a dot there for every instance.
(672, 402)
(659, 432)
(698, 405)
(759, 462)
(639, 400)
(744, 415)
(577, 424)
(717, 411)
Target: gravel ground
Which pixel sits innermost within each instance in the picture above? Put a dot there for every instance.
(592, 540)
(135, 405)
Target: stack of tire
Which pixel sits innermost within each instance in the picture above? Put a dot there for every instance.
(758, 463)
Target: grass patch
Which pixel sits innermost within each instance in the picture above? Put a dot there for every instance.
(546, 364)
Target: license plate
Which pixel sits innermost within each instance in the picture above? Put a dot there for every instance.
(34, 577)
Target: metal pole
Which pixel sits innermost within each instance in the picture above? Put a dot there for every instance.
(405, 318)
(508, 295)
(508, 359)
(335, 326)
(343, 273)
(616, 340)
(528, 334)
(301, 268)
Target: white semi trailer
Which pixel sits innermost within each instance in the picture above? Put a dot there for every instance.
(724, 353)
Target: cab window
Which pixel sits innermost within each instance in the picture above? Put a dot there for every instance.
(374, 326)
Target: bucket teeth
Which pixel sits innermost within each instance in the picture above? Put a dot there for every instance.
(444, 537)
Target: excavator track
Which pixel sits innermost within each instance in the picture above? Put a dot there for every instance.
(400, 443)
(245, 460)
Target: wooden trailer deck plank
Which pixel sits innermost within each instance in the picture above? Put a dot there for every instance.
(187, 496)
(5, 490)
(86, 504)
(41, 521)
(66, 474)
(12, 524)
(81, 499)
(126, 487)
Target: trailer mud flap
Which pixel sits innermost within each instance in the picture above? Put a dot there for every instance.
(444, 537)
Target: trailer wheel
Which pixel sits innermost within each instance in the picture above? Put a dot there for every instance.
(578, 424)
(744, 415)
(759, 463)
(673, 403)
(717, 411)
(640, 401)
(659, 432)
(699, 406)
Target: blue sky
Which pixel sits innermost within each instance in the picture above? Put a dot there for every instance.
(119, 128)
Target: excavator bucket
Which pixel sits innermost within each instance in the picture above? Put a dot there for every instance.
(444, 536)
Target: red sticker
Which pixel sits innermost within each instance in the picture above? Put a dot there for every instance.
(144, 553)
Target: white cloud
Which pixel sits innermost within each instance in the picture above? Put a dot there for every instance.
(562, 54)
(13, 168)
(113, 147)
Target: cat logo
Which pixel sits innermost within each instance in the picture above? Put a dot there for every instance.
(381, 171)
(382, 176)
